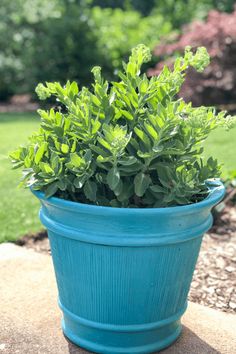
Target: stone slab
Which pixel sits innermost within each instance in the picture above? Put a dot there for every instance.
(30, 318)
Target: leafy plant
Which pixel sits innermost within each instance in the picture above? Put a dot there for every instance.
(177, 12)
(183, 11)
(125, 144)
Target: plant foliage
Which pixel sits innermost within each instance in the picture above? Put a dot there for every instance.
(123, 144)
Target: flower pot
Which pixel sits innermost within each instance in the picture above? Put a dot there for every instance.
(123, 275)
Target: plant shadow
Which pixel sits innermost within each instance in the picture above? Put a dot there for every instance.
(187, 343)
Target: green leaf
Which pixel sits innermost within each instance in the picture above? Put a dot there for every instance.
(46, 167)
(113, 178)
(15, 155)
(65, 148)
(102, 159)
(75, 160)
(100, 151)
(40, 152)
(143, 86)
(127, 192)
(151, 131)
(88, 156)
(157, 188)
(17, 165)
(74, 90)
(141, 183)
(54, 161)
(115, 203)
(127, 161)
(104, 143)
(96, 126)
(51, 189)
(143, 137)
(164, 174)
(62, 185)
(79, 181)
(90, 190)
(128, 170)
(96, 101)
(127, 114)
(118, 190)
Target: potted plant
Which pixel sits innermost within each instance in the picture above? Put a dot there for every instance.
(126, 198)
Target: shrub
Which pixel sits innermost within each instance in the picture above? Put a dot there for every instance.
(117, 31)
(143, 7)
(177, 12)
(61, 40)
(217, 85)
(183, 11)
(18, 27)
(126, 144)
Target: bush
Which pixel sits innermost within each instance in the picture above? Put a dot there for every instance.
(117, 31)
(180, 12)
(177, 12)
(60, 40)
(124, 144)
(143, 7)
(217, 85)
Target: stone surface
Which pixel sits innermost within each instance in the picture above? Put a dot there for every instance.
(30, 318)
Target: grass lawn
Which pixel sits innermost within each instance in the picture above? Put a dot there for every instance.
(19, 209)
(222, 145)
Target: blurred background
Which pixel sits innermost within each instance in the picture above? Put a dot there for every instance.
(62, 39)
(57, 40)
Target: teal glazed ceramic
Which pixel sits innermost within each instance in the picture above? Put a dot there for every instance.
(123, 275)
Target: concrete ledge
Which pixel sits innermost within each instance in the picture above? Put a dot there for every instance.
(30, 318)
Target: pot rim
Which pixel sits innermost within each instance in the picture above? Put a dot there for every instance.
(217, 191)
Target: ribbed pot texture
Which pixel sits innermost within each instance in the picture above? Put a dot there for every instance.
(123, 275)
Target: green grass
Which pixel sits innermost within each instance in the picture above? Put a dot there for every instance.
(19, 209)
(222, 145)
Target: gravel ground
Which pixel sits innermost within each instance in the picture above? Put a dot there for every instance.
(214, 281)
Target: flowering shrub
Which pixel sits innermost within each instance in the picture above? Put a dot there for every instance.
(217, 85)
(125, 144)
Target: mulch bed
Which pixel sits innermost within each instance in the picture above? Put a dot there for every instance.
(214, 281)
(19, 103)
(39, 242)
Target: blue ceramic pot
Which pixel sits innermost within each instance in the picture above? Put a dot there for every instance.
(123, 275)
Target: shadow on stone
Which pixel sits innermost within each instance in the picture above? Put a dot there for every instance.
(74, 349)
(187, 343)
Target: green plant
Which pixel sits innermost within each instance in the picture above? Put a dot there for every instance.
(127, 144)
(183, 11)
